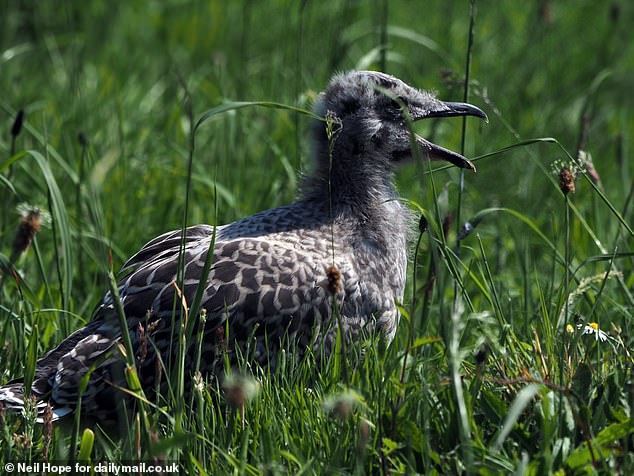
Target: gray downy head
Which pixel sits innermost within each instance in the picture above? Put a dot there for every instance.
(370, 111)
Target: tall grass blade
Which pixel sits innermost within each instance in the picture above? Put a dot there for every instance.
(523, 399)
(62, 229)
(31, 359)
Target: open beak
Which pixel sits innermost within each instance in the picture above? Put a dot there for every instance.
(448, 109)
(435, 152)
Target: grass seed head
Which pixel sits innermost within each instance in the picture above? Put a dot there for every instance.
(220, 342)
(446, 224)
(423, 224)
(239, 390)
(566, 180)
(17, 123)
(22, 441)
(334, 279)
(482, 354)
(47, 430)
(333, 126)
(588, 166)
(142, 344)
(592, 173)
(615, 12)
(342, 405)
(546, 13)
(199, 382)
(29, 226)
(83, 139)
(364, 433)
(158, 373)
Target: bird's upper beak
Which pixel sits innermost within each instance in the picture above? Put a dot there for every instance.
(445, 109)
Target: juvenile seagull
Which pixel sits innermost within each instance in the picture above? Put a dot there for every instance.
(276, 275)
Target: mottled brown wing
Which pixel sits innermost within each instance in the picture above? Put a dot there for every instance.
(254, 283)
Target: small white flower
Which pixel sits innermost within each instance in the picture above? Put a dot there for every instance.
(593, 328)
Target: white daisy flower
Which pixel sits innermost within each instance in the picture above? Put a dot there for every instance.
(593, 328)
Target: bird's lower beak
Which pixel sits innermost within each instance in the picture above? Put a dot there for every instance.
(448, 109)
(435, 152)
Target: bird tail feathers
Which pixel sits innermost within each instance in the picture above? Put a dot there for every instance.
(12, 400)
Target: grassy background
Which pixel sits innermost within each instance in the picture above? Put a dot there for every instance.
(496, 384)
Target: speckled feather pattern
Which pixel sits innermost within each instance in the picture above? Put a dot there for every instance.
(269, 280)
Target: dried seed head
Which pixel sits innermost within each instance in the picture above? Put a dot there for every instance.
(17, 124)
(343, 405)
(423, 225)
(482, 355)
(429, 285)
(566, 180)
(47, 419)
(343, 409)
(546, 13)
(446, 223)
(83, 140)
(334, 279)
(333, 126)
(615, 12)
(158, 373)
(220, 343)
(364, 432)
(239, 390)
(22, 441)
(152, 327)
(235, 395)
(142, 344)
(47, 430)
(585, 158)
(29, 226)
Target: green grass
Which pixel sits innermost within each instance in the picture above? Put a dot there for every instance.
(489, 372)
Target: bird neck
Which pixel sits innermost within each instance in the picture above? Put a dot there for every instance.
(356, 190)
(346, 172)
(347, 185)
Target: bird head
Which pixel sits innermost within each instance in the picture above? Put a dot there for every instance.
(372, 110)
